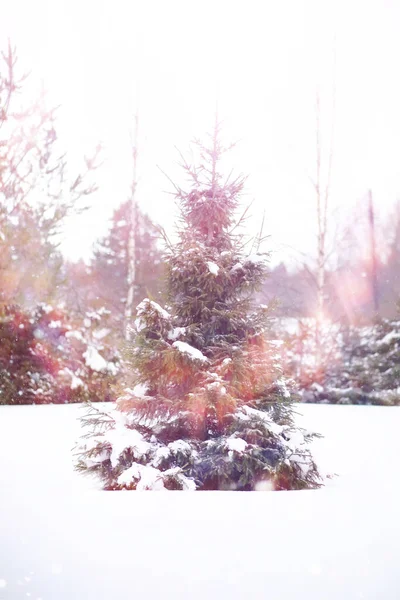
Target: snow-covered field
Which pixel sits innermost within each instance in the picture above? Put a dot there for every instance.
(62, 539)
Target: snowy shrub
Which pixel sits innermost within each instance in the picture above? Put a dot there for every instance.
(44, 358)
(207, 407)
(361, 364)
(369, 370)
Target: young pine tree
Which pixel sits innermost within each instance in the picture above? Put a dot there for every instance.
(209, 408)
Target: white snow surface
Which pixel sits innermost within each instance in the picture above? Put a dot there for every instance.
(236, 267)
(213, 267)
(179, 446)
(177, 332)
(55, 324)
(281, 383)
(140, 390)
(256, 259)
(75, 334)
(94, 360)
(63, 538)
(122, 438)
(139, 324)
(99, 334)
(389, 337)
(236, 444)
(217, 386)
(76, 382)
(149, 477)
(190, 351)
(144, 304)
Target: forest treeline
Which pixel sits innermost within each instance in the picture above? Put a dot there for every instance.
(63, 325)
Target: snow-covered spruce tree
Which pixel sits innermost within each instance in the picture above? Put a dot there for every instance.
(208, 408)
(368, 371)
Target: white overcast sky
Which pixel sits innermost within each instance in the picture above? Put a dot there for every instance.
(263, 60)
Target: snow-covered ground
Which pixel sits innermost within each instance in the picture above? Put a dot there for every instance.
(62, 539)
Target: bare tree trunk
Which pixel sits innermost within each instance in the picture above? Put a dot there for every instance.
(133, 227)
(322, 204)
(322, 186)
(374, 265)
(320, 242)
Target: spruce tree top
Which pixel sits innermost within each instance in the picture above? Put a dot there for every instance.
(208, 407)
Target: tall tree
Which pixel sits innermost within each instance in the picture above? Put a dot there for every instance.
(37, 191)
(322, 192)
(373, 257)
(133, 224)
(389, 269)
(111, 269)
(209, 408)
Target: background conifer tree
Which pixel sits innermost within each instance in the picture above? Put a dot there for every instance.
(208, 407)
(109, 267)
(367, 369)
(103, 283)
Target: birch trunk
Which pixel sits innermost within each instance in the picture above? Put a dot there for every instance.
(374, 265)
(133, 230)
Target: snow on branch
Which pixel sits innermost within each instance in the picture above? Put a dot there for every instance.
(213, 267)
(148, 308)
(187, 349)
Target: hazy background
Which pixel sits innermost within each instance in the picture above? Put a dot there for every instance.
(264, 62)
